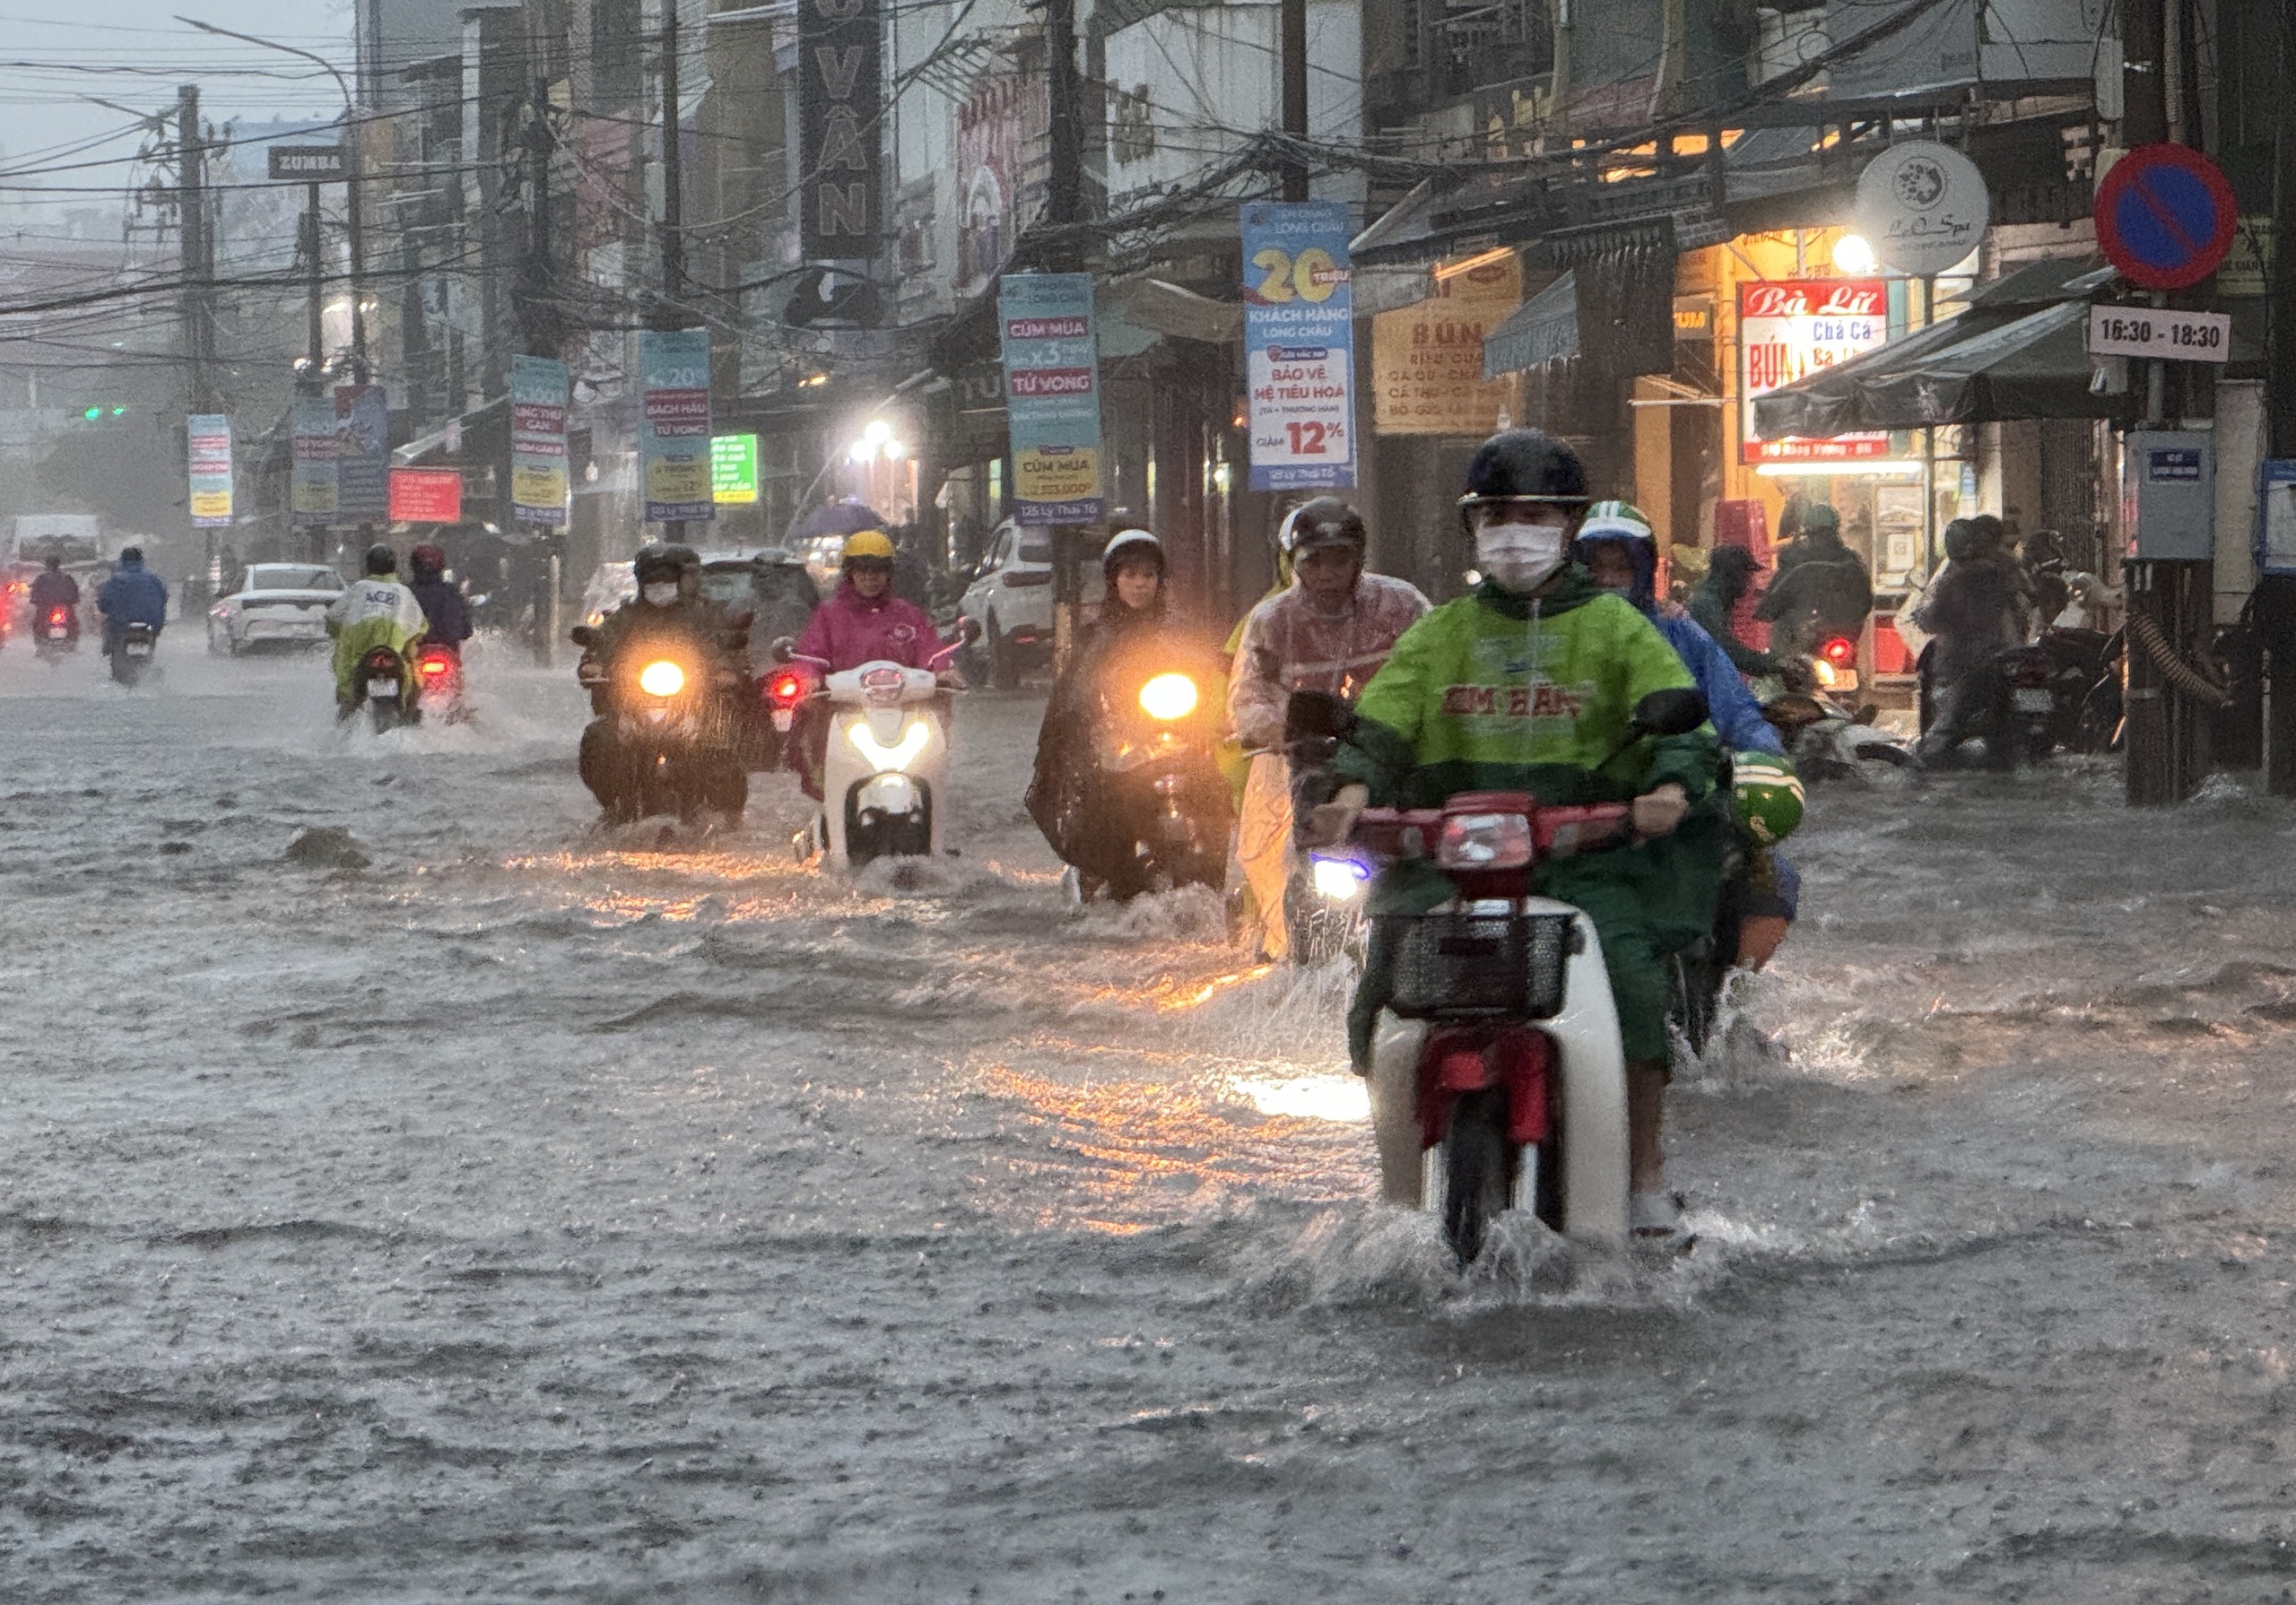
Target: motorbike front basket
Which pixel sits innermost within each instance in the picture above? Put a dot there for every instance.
(1453, 964)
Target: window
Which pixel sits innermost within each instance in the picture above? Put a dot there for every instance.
(1036, 549)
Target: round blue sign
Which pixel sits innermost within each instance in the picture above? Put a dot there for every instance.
(2165, 217)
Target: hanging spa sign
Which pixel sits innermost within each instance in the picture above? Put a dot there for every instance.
(1787, 330)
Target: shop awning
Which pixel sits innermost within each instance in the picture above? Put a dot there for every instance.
(1541, 330)
(2021, 350)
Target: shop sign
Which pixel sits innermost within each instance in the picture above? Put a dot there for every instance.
(1922, 207)
(1791, 328)
(426, 495)
(362, 453)
(733, 470)
(2243, 272)
(2160, 331)
(1052, 396)
(674, 437)
(312, 480)
(538, 477)
(992, 127)
(1427, 358)
(209, 441)
(1299, 345)
(840, 96)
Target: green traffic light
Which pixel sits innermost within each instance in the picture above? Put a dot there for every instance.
(93, 413)
(119, 412)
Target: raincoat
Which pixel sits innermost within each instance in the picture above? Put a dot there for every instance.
(1730, 706)
(1496, 692)
(134, 594)
(848, 630)
(1729, 574)
(1285, 646)
(372, 613)
(444, 607)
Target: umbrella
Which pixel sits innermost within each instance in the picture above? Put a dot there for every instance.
(842, 518)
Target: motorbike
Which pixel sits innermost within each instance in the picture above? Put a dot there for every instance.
(439, 684)
(1499, 1045)
(660, 744)
(131, 652)
(1827, 734)
(886, 772)
(382, 683)
(1323, 893)
(2049, 683)
(1160, 781)
(58, 633)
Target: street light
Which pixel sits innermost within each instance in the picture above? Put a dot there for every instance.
(350, 143)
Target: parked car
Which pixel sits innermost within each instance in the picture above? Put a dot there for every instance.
(1011, 599)
(276, 604)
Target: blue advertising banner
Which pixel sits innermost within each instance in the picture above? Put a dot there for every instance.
(674, 440)
(312, 482)
(362, 454)
(1299, 345)
(1052, 396)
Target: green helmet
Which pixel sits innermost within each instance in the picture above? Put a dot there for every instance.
(1766, 796)
(1614, 519)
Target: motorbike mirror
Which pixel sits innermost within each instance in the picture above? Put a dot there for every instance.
(1310, 715)
(969, 629)
(582, 635)
(782, 649)
(1675, 712)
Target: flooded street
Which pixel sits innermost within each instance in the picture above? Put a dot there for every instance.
(533, 1210)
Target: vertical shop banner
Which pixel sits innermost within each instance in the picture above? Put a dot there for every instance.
(312, 479)
(1427, 358)
(209, 440)
(1052, 396)
(841, 97)
(733, 470)
(362, 453)
(1299, 345)
(538, 477)
(673, 442)
(1787, 330)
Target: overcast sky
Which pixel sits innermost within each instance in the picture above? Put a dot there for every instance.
(51, 134)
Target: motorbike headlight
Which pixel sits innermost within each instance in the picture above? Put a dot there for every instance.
(1169, 696)
(897, 757)
(661, 678)
(1339, 880)
(1485, 841)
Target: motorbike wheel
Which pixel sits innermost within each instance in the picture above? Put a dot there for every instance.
(1003, 674)
(1475, 1171)
(1694, 983)
(123, 668)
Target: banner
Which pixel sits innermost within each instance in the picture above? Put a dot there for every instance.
(1299, 345)
(209, 442)
(538, 477)
(840, 100)
(362, 454)
(1787, 330)
(1427, 357)
(312, 482)
(1052, 396)
(426, 495)
(733, 470)
(674, 440)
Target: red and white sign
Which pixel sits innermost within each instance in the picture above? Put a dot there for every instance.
(426, 495)
(1789, 329)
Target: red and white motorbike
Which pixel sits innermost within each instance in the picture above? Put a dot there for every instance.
(1498, 1044)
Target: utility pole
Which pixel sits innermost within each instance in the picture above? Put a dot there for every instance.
(198, 252)
(669, 314)
(1292, 51)
(1064, 208)
(2276, 597)
(315, 298)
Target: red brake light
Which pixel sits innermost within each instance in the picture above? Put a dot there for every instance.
(1840, 652)
(57, 615)
(785, 687)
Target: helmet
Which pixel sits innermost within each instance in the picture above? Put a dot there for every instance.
(1821, 515)
(661, 561)
(1766, 794)
(428, 559)
(381, 560)
(1129, 545)
(1325, 522)
(1622, 521)
(869, 545)
(131, 554)
(1525, 465)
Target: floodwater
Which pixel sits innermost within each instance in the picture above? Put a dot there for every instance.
(539, 1211)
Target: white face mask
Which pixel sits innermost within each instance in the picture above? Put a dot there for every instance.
(662, 593)
(1518, 557)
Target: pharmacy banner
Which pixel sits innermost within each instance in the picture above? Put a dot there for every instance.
(311, 487)
(538, 477)
(1052, 396)
(210, 440)
(1299, 345)
(674, 440)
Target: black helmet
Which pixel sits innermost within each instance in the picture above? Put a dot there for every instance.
(381, 560)
(1326, 521)
(131, 554)
(661, 561)
(1525, 465)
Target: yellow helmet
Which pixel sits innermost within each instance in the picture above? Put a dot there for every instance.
(869, 543)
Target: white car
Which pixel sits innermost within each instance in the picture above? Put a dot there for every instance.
(277, 604)
(1011, 599)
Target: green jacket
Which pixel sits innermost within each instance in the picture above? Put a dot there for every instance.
(1493, 693)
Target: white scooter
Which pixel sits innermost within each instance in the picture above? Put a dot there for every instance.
(1498, 1044)
(884, 774)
